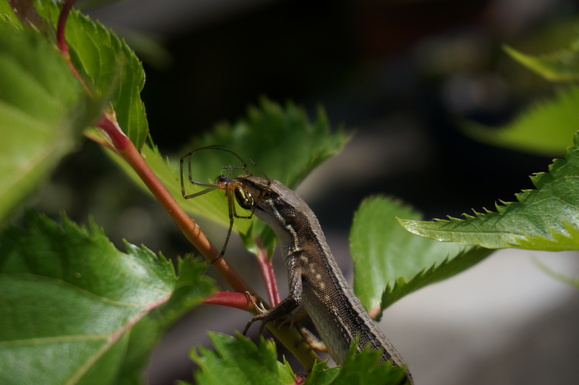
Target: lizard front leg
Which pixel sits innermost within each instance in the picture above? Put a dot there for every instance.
(286, 306)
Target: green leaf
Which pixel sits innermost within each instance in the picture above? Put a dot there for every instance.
(358, 368)
(391, 263)
(238, 361)
(212, 206)
(76, 310)
(546, 218)
(9, 21)
(282, 141)
(561, 66)
(22, 13)
(43, 109)
(574, 281)
(109, 67)
(544, 129)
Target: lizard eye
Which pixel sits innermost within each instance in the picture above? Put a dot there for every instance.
(244, 198)
(266, 194)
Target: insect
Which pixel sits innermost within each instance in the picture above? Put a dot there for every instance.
(233, 189)
(316, 283)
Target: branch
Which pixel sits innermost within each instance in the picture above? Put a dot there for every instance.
(122, 146)
(61, 40)
(231, 299)
(268, 274)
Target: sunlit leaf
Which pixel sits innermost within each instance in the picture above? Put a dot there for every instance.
(558, 66)
(546, 218)
(43, 110)
(358, 368)
(280, 140)
(109, 66)
(75, 310)
(390, 263)
(238, 361)
(546, 128)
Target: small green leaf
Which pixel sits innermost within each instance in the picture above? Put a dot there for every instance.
(391, 263)
(76, 310)
(238, 361)
(109, 67)
(546, 218)
(544, 129)
(358, 368)
(574, 281)
(559, 66)
(43, 109)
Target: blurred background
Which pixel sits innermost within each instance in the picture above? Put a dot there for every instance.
(401, 74)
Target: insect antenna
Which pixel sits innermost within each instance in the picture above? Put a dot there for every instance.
(264, 175)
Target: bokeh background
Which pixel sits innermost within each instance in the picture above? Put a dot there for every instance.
(403, 75)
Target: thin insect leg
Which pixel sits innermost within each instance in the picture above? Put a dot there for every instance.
(230, 169)
(231, 209)
(260, 170)
(181, 173)
(242, 216)
(244, 164)
(222, 183)
(211, 186)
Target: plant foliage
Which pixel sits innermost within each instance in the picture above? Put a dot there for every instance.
(546, 218)
(390, 262)
(74, 309)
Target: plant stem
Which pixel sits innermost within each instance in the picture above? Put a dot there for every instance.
(268, 274)
(61, 40)
(188, 226)
(122, 146)
(285, 334)
(231, 299)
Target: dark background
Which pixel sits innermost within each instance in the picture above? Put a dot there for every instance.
(401, 74)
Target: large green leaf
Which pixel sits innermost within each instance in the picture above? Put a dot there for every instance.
(545, 128)
(43, 109)
(546, 218)
(282, 142)
(25, 15)
(75, 310)
(391, 263)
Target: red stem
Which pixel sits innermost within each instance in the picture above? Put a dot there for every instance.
(300, 379)
(126, 149)
(231, 299)
(268, 274)
(61, 39)
(188, 226)
(62, 18)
